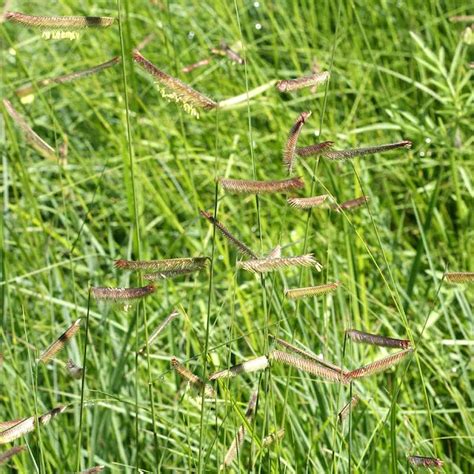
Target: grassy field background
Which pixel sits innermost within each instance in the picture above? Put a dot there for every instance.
(133, 187)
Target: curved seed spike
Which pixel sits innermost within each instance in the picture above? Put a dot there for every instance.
(117, 294)
(60, 22)
(93, 470)
(164, 265)
(307, 203)
(74, 371)
(252, 365)
(462, 19)
(351, 204)
(271, 438)
(158, 331)
(379, 365)
(30, 88)
(354, 152)
(193, 379)
(344, 413)
(240, 436)
(164, 274)
(271, 264)
(315, 149)
(376, 340)
(459, 277)
(30, 135)
(192, 67)
(290, 147)
(296, 293)
(59, 343)
(240, 246)
(261, 187)
(300, 83)
(308, 366)
(27, 425)
(423, 461)
(4, 425)
(225, 50)
(4, 457)
(174, 89)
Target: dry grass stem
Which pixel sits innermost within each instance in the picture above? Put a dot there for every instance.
(459, 277)
(307, 203)
(175, 90)
(230, 103)
(238, 244)
(27, 425)
(5, 456)
(423, 461)
(30, 88)
(261, 187)
(60, 342)
(302, 82)
(60, 22)
(271, 264)
(296, 293)
(379, 365)
(240, 436)
(31, 136)
(74, 370)
(158, 330)
(370, 150)
(315, 149)
(164, 265)
(376, 340)
(462, 19)
(290, 147)
(193, 379)
(344, 413)
(118, 294)
(252, 365)
(308, 366)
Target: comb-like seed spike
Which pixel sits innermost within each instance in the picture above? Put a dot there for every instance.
(225, 50)
(459, 277)
(296, 293)
(27, 425)
(191, 67)
(30, 88)
(261, 187)
(93, 470)
(290, 147)
(118, 294)
(74, 370)
(4, 425)
(60, 342)
(193, 379)
(4, 457)
(252, 365)
(348, 407)
(273, 437)
(376, 340)
(164, 274)
(180, 92)
(275, 253)
(370, 150)
(263, 265)
(424, 461)
(158, 330)
(307, 203)
(301, 82)
(59, 22)
(315, 149)
(164, 265)
(240, 436)
(379, 365)
(240, 246)
(308, 366)
(351, 204)
(31, 136)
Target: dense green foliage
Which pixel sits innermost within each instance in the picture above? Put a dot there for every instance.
(133, 186)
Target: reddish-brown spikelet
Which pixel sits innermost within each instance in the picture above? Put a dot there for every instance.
(307, 203)
(93, 470)
(296, 293)
(117, 294)
(164, 265)
(193, 379)
(261, 187)
(376, 340)
(459, 277)
(4, 457)
(264, 265)
(308, 366)
(423, 461)
(290, 147)
(191, 67)
(301, 82)
(351, 204)
(164, 274)
(225, 50)
(60, 342)
(238, 244)
(60, 22)
(354, 152)
(343, 414)
(379, 365)
(315, 149)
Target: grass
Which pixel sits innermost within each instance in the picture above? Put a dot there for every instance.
(139, 170)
